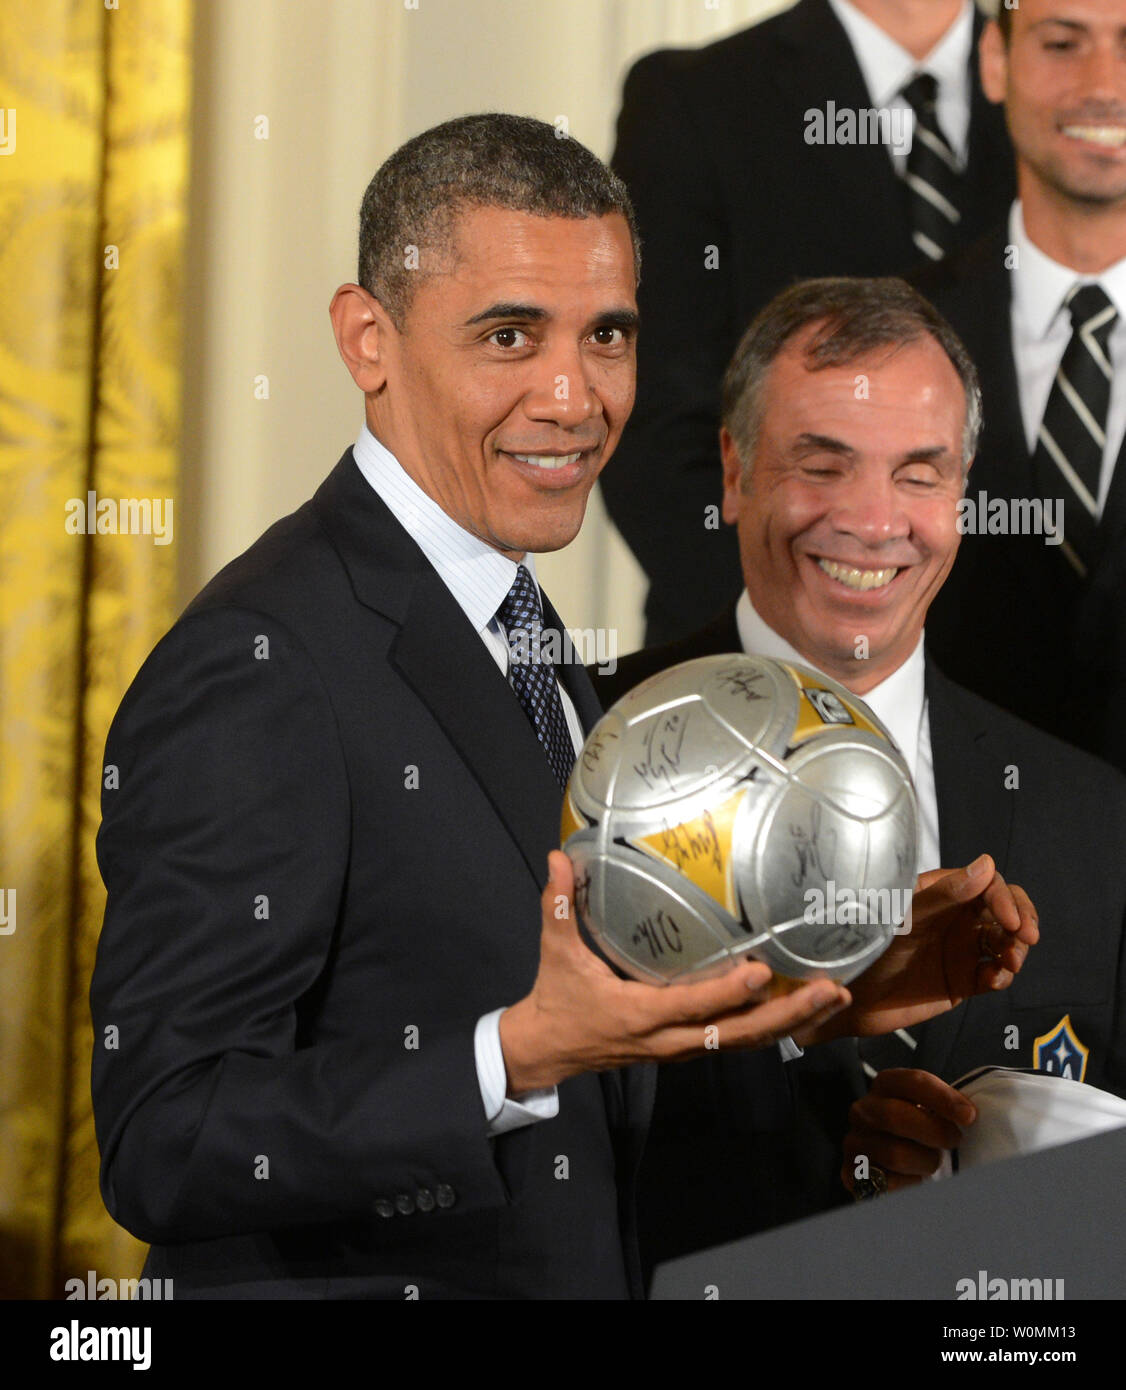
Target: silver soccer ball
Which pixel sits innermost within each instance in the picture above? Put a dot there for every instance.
(736, 806)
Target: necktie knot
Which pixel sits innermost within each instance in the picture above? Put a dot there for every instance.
(521, 606)
(921, 93)
(1091, 310)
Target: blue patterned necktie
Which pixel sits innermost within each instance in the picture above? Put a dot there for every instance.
(534, 680)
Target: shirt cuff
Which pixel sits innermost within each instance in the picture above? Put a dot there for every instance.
(790, 1050)
(501, 1112)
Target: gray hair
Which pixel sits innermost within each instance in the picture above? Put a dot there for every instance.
(855, 316)
(489, 160)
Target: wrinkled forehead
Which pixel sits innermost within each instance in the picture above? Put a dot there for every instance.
(881, 397)
(497, 244)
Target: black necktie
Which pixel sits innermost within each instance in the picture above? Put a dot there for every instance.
(533, 679)
(933, 178)
(1072, 438)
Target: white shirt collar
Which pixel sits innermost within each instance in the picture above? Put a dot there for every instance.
(1041, 284)
(887, 68)
(476, 575)
(899, 702)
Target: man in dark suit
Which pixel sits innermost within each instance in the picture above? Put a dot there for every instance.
(334, 1057)
(1034, 615)
(850, 414)
(747, 175)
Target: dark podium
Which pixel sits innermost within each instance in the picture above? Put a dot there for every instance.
(1059, 1214)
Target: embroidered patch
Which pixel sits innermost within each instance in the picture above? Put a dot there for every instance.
(1060, 1053)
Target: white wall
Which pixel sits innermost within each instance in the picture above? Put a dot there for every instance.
(343, 83)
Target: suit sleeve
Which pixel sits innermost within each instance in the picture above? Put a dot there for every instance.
(225, 847)
(666, 471)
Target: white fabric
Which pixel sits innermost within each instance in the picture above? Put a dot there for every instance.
(478, 577)
(887, 68)
(899, 702)
(1020, 1112)
(1041, 329)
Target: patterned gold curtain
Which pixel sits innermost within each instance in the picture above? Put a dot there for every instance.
(94, 104)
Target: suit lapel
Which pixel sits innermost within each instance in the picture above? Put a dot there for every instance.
(985, 292)
(975, 816)
(443, 660)
(1113, 522)
(990, 153)
(816, 64)
(572, 674)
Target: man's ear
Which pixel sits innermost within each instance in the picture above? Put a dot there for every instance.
(993, 61)
(363, 330)
(732, 476)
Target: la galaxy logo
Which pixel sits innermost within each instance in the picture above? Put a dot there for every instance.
(1060, 1053)
(828, 706)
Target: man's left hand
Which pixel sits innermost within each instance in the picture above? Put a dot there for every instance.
(970, 933)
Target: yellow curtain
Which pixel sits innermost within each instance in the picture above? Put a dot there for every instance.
(94, 106)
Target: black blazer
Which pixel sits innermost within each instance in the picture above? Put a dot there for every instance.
(711, 145)
(324, 863)
(760, 1140)
(1014, 621)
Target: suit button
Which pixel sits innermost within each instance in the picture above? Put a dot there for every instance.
(425, 1199)
(445, 1195)
(383, 1207)
(404, 1204)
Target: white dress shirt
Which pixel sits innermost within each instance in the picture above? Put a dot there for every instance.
(1041, 328)
(899, 702)
(887, 68)
(479, 578)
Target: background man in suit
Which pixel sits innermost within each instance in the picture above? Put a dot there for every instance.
(1037, 625)
(746, 176)
(337, 793)
(851, 411)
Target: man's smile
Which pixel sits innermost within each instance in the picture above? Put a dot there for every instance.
(854, 578)
(1106, 137)
(548, 460)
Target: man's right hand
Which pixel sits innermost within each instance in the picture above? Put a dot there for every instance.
(580, 1016)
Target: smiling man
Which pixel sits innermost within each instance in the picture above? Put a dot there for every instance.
(851, 413)
(344, 1061)
(847, 518)
(1040, 302)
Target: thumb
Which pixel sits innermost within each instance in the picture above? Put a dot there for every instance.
(558, 899)
(960, 885)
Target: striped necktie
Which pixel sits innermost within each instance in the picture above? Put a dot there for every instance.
(533, 679)
(1072, 436)
(933, 177)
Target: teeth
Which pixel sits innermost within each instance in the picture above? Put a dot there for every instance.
(548, 460)
(1113, 136)
(858, 579)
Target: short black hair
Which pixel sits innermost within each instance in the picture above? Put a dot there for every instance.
(855, 317)
(488, 160)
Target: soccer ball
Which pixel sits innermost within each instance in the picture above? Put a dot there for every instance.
(735, 806)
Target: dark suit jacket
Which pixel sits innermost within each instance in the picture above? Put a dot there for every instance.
(711, 143)
(759, 1140)
(1014, 621)
(324, 863)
